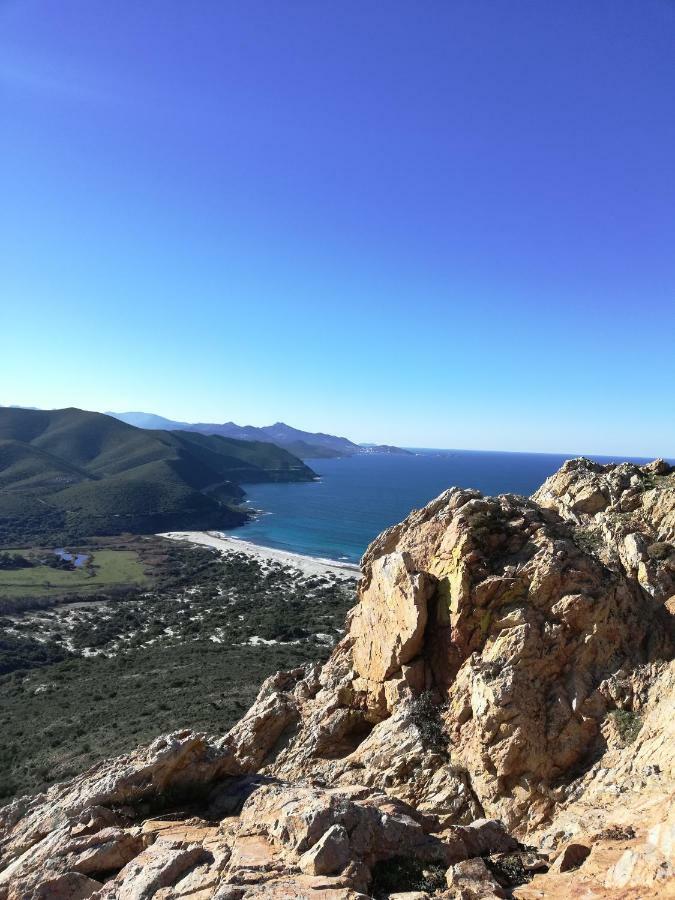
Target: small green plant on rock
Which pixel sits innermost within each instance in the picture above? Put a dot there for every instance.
(405, 873)
(426, 717)
(628, 724)
(508, 869)
(588, 540)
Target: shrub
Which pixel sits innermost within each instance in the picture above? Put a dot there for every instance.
(404, 873)
(508, 869)
(426, 716)
(14, 561)
(588, 540)
(7, 787)
(628, 724)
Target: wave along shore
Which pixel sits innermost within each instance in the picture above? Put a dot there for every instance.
(310, 565)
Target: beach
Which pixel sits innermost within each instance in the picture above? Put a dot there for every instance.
(309, 565)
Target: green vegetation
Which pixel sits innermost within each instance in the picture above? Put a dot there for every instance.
(400, 874)
(588, 540)
(628, 724)
(427, 718)
(21, 652)
(58, 721)
(67, 474)
(104, 569)
(13, 561)
(80, 682)
(508, 869)
(650, 481)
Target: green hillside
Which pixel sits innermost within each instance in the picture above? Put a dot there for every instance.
(69, 473)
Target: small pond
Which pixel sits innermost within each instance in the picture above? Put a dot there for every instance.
(79, 559)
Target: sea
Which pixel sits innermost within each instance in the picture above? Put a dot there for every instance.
(356, 497)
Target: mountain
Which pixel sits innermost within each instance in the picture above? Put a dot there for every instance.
(305, 444)
(497, 722)
(150, 420)
(76, 473)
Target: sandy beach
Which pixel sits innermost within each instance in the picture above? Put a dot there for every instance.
(228, 544)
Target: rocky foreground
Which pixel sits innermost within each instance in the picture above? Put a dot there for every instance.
(499, 721)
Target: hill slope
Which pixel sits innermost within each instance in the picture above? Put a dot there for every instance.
(75, 473)
(305, 444)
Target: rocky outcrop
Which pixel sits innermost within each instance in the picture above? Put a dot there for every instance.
(389, 623)
(525, 634)
(506, 683)
(623, 513)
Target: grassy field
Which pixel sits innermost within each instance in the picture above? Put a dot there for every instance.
(108, 568)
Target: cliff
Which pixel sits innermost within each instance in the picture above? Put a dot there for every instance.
(498, 721)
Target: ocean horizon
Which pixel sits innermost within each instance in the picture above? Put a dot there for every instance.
(357, 497)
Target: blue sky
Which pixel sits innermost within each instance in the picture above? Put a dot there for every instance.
(437, 224)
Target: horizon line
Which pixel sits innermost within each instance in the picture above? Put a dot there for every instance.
(413, 448)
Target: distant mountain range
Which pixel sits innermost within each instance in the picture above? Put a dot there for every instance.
(304, 444)
(73, 473)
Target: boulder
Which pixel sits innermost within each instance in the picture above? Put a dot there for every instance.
(388, 628)
(329, 855)
(472, 880)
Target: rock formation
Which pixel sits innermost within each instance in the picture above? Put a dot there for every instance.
(498, 721)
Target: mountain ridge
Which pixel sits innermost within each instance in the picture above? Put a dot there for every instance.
(305, 444)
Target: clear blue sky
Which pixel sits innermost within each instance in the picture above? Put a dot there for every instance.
(431, 223)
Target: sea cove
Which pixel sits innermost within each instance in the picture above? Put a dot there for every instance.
(355, 498)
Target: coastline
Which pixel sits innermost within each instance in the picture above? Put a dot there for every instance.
(310, 565)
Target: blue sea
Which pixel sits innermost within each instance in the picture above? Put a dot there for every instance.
(357, 497)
